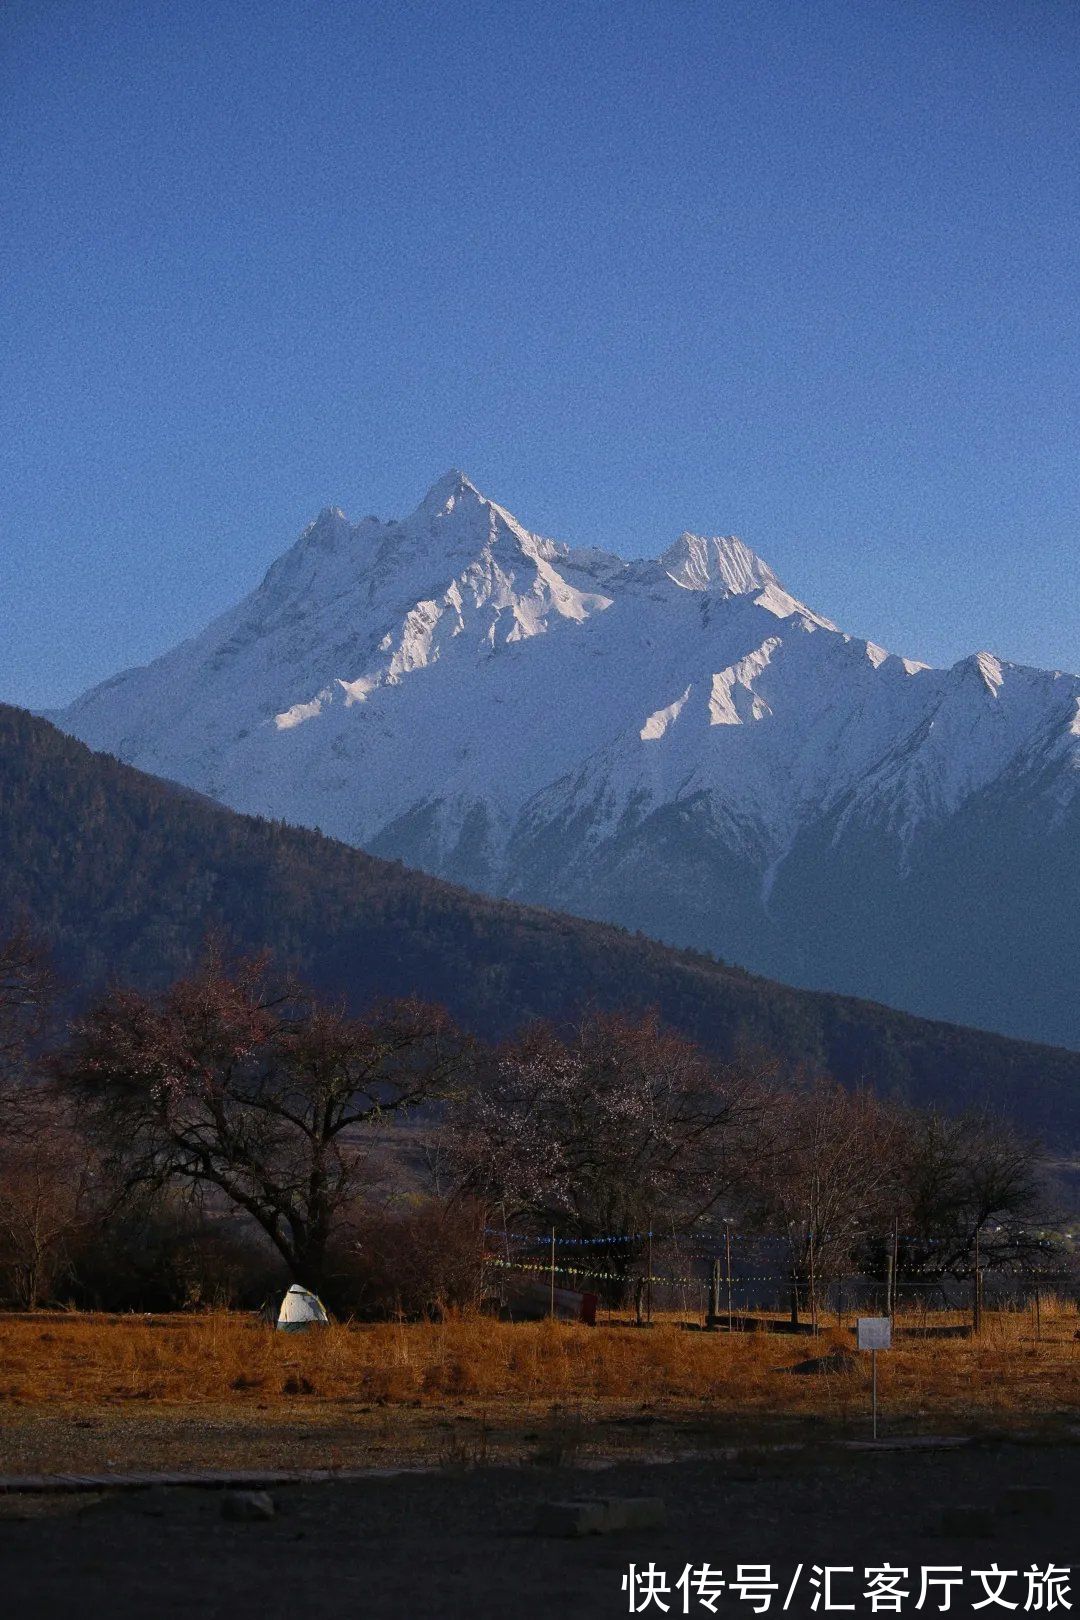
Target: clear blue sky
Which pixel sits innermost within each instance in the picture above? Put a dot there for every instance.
(802, 270)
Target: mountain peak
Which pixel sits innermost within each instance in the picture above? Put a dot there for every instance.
(701, 563)
(448, 492)
(326, 530)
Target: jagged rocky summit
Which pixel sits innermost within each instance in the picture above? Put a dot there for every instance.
(677, 744)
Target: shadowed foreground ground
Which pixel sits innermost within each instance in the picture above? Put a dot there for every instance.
(460, 1542)
(753, 1462)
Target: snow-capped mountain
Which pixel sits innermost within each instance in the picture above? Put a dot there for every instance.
(675, 744)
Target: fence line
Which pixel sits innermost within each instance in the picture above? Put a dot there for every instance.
(544, 1240)
(828, 1281)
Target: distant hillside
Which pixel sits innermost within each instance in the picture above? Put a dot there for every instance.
(124, 873)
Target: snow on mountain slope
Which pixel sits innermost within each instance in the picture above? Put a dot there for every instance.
(658, 742)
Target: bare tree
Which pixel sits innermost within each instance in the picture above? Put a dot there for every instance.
(46, 1178)
(968, 1182)
(829, 1176)
(238, 1080)
(27, 997)
(420, 1257)
(51, 1195)
(620, 1129)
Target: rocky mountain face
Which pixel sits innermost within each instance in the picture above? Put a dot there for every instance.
(677, 745)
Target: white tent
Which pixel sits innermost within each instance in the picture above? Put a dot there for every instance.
(300, 1310)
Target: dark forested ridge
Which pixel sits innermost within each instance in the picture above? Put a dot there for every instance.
(123, 875)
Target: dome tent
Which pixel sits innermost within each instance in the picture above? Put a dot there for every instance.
(301, 1309)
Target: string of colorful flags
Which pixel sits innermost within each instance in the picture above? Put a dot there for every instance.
(737, 1280)
(541, 1241)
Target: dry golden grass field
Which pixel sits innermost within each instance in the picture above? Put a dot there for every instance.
(82, 1391)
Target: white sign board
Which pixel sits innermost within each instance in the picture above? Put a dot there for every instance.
(874, 1332)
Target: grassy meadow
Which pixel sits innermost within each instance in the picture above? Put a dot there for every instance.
(236, 1365)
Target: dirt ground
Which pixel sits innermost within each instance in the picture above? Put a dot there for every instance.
(461, 1540)
(74, 1437)
(464, 1430)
